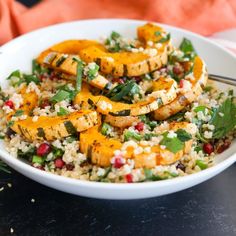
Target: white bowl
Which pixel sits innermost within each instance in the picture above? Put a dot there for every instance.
(19, 53)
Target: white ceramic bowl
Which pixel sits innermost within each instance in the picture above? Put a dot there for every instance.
(19, 53)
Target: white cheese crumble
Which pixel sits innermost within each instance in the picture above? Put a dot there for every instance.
(171, 134)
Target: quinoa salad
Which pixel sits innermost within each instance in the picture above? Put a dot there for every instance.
(117, 110)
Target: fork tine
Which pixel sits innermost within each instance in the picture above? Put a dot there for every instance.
(223, 79)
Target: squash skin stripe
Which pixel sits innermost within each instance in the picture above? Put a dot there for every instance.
(30, 129)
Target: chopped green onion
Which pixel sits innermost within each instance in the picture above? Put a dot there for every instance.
(106, 128)
(62, 112)
(60, 96)
(132, 135)
(201, 164)
(79, 74)
(18, 113)
(38, 159)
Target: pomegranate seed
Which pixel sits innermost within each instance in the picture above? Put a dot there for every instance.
(70, 166)
(129, 178)
(44, 103)
(137, 78)
(9, 103)
(223, 146)
(43, 149)
(180, 166)
(121, 81)
(40, 167)
(177, 70)
(139, 126)
(208, 148)
(181, 83)
(59, 163)
(118, 163)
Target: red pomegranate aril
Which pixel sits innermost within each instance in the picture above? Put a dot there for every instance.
(181, 83)
(43, 149)
(177, 70)
(9, 103)
(44, 103)
(137, 78)
(118, 163)
(121, 81)
(129, 178)
(223, 147)
(208, 148)
(139, 126)
(59, 163)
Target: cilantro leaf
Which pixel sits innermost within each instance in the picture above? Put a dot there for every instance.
(18, 113)
(172, 144)
(187, 48)
(183, 136)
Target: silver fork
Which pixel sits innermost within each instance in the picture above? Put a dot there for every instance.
(222, 79)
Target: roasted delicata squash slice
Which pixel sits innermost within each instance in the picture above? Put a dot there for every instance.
(74, 46)
(164, 91)
(121, 121)
(125, 63)
(97, 147)
(153, 33)
(66, 64)
(52, 128)
(100, 149)
(198, 81)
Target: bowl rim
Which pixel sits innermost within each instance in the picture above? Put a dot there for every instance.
(12, 161)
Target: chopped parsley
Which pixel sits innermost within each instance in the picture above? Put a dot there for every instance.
(62, 112)
(175, 144)
(92, 72)
(18, 113)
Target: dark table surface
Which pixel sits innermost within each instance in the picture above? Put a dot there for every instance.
(206, 209)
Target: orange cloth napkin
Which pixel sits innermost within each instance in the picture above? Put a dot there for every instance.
(205, 17)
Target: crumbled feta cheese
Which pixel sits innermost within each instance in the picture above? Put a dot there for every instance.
(150, 43)
(171, 134)
(163, 147)
(101, 171)
(150, 51)
(17, 99)
(208, 134)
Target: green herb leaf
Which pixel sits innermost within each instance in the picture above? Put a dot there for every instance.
(224, 124)
(115, 35)
(132, 135)
(60, 96)
(106, 128)
(92, 73)
(164, 39)
(157, 33)
(31, 78)
(38, 159)
(79, 74)
(172, 144)
(62, 112)
(18, 113)
(201, 164)
(187, 48)
(15, 73)
(10, 123)
(183, 136)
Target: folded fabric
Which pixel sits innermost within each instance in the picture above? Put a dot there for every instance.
(205, 17)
